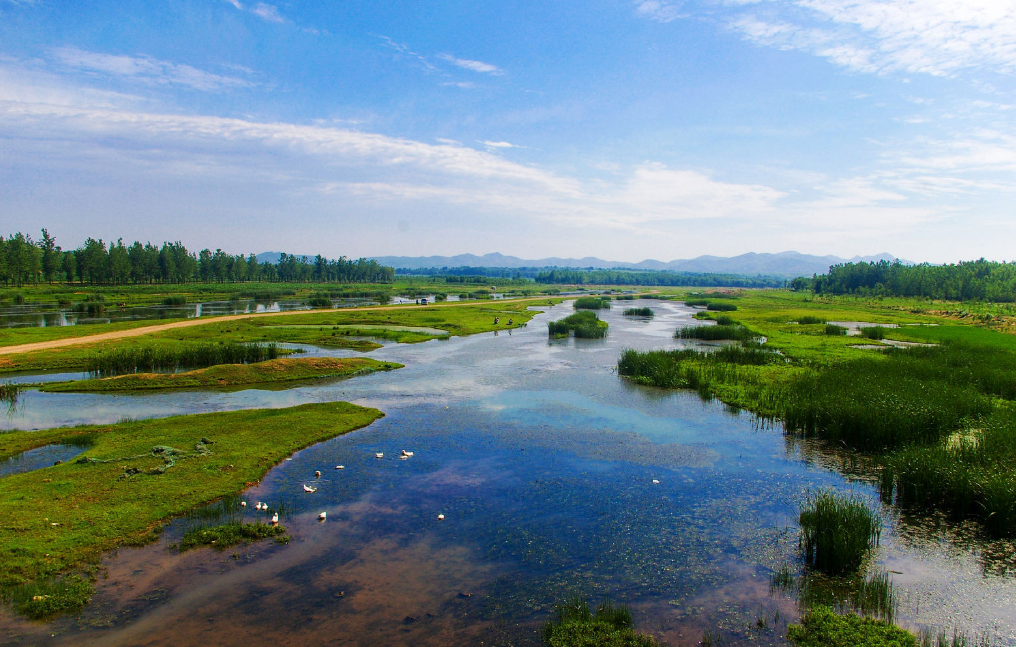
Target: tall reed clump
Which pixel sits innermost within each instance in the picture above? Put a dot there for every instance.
(873, 332)
(720, 307)
(610, 625)
(837, 531)
(134, 359)
(592, 303)
(692, 368)
(809, 319)
(834, 330)
(320, 300)
(176, 300)
(582, 324)
(718, 332)
(638, 312)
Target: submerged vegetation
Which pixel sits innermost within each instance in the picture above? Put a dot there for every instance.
(133, 359)
(582, 324)
(611, 625)
(838, 531)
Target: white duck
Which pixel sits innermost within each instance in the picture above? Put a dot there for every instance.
(407, 454)
(243, 504)
(379, 454)
(340, 467)
(275, 518)
(322, 516)
(317, 474)
(309, 489)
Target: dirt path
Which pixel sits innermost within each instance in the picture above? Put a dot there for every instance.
(201, 321)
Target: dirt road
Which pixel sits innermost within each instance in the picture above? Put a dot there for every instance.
(201, 321)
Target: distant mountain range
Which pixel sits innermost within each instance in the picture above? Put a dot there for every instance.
(782, 264)
(789, 264)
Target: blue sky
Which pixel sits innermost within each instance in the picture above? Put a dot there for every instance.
(619, 129)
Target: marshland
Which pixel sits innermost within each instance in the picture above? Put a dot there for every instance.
(683, 478)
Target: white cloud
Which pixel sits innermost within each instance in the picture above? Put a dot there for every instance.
(236, 3)
(490, 144)
(936, 37)
(465, 85)
(146, 69)
(475, 66)
(658, 10)
(268, 12)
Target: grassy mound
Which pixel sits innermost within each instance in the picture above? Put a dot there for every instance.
(611, 625)
(582, 324)
(822, 627)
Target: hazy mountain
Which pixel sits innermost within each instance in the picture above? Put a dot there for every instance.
(782, 264)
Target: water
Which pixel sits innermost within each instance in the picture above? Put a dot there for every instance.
(38, 458)
(542, 461)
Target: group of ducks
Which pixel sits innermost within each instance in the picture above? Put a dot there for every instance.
(405, 455)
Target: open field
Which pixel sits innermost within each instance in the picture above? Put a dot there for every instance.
(134, 477)
(230, 375)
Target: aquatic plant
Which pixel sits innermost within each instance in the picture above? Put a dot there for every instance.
(837, 531)
(809, 319)
(9, 394)
(592, 303)
(134, 359)
(724, 320)
(583, 324)
(609, 626)
(717, 332)
(873, 332)
(696, 302)
(834, 330)
(639, 312)
(823, 627)
(230, 534)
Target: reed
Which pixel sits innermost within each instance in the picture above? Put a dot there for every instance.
(583, 324)
(10, 393)
(837, 531)
(718, 332)
(809, 319)
(638, 312)
(592, 303)
(724, 320)
(834, 330)
(319, 302)
(873, 332)
(134, 359)
(720, 307)
(176, 300)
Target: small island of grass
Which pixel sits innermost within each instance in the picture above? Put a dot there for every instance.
(230, 534)
(229, 375)
(583, 324)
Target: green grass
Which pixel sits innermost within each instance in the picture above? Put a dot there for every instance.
(574, 625)
(230, 375)
(837, 532)
(833, 329)
(230, 534)
(823, 627)
(583, 324)
(58, 521)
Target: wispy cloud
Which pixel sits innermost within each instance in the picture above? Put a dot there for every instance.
(404, 49)
(939, 38)
(268, 12)
(146, 69)
(465, 85)
(475, 66)
(490, 144)
(236, 3)
(658, 10)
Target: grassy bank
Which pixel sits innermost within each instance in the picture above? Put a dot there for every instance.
(58, 521)
(230, 375)
(939, 422)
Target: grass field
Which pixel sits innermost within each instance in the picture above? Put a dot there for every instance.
(57, 522)
(230, 375)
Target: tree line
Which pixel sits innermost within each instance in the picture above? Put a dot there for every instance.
(658, 277)
(27, 261)
(969, 280)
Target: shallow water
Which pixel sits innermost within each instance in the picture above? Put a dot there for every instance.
(543, 462)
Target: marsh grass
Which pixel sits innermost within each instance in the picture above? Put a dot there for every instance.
(148, 358)
(724, 320)
(610, 625)
(592, 303)
(872, 595)
(44, 599)
(223, 536)
(583, 324)
(823, 627)
(809, 319)
(638, 312)
(720, 307)
(718, 332)
(837, 531)
(175, 300)
(873, 332)
(834, 330)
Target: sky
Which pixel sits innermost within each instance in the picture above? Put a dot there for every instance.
(620, 129)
